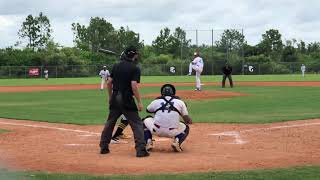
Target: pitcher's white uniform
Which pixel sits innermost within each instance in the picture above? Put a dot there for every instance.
(197, 65)
(166, 123)
(104, 74)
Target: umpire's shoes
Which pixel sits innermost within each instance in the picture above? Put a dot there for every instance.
(104, 151)
(143, 153)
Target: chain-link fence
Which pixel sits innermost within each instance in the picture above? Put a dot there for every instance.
(179, 69)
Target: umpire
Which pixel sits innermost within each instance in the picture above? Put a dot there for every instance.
(227, 71)
(122, 86)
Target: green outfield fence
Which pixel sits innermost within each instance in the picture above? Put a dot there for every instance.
(178, 69)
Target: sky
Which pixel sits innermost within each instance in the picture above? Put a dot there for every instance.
(293, 18)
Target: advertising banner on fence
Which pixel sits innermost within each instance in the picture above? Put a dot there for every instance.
(34, 72)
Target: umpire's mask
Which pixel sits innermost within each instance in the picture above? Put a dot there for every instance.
(168, 90)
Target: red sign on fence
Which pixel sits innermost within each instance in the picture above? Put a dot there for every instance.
(34, 72)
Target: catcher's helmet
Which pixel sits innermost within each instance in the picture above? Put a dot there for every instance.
(168, 90)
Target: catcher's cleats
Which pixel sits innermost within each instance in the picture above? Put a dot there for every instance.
(176, 145)
(149, 145)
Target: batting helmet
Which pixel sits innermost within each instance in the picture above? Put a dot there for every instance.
(168, 90)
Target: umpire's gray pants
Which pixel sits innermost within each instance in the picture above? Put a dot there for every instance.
(134, 121)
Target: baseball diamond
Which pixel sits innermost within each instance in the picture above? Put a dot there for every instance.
(222, 147)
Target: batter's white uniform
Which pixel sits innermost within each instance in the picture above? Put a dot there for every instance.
(166, 123)
(303, 69)
(104, 74)
(197, 65)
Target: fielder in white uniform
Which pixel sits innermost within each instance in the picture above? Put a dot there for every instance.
(303, 69)
(46, 74)
(196, 65)
(167, 111)
(104, 74)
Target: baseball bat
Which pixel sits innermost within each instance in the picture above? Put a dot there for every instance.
(106, 51)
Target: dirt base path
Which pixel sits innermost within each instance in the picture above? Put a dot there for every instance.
(97, 86)
(74, 149)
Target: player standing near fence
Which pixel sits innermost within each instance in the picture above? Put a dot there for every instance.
(104, 74)
(303, 69)
(196, 65)
(46, 74)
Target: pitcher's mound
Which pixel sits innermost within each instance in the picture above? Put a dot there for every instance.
(206, 94)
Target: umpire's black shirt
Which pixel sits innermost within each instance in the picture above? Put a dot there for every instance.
(227, 70)
(122, 74)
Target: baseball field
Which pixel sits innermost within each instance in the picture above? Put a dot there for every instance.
(267, 127)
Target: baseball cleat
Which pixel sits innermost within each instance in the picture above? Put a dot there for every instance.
(143, 153)
(149, 145)
(115, 141)
(176, 145)
(197, 89)
(104, 151)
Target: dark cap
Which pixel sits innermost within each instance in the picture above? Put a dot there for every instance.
(131, 51)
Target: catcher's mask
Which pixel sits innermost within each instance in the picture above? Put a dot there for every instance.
(168, 90)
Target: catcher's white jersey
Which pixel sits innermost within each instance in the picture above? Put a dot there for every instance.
(198, 61)
(167, 118)
(104, 74)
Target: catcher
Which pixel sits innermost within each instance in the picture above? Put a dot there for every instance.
(167, 110)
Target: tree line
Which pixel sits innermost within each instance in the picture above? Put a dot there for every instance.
(169, 47)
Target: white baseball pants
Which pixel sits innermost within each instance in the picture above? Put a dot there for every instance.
(198, 71)
(163, 132)
(103, 81)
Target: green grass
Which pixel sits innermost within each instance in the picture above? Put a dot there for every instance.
(297, 173)
(263, 105)
(159, 79)
(3, 131)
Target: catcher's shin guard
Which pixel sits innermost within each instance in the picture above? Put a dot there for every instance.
(183, 136)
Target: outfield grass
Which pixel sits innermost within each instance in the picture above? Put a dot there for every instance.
(160, 79)
(263, 105)
(297, 173)
(3, 131)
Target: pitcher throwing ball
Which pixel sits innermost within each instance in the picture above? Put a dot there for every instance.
(197, 66)
(167, 110)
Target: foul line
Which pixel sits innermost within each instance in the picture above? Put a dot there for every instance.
(48, 127)
(239, 140)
